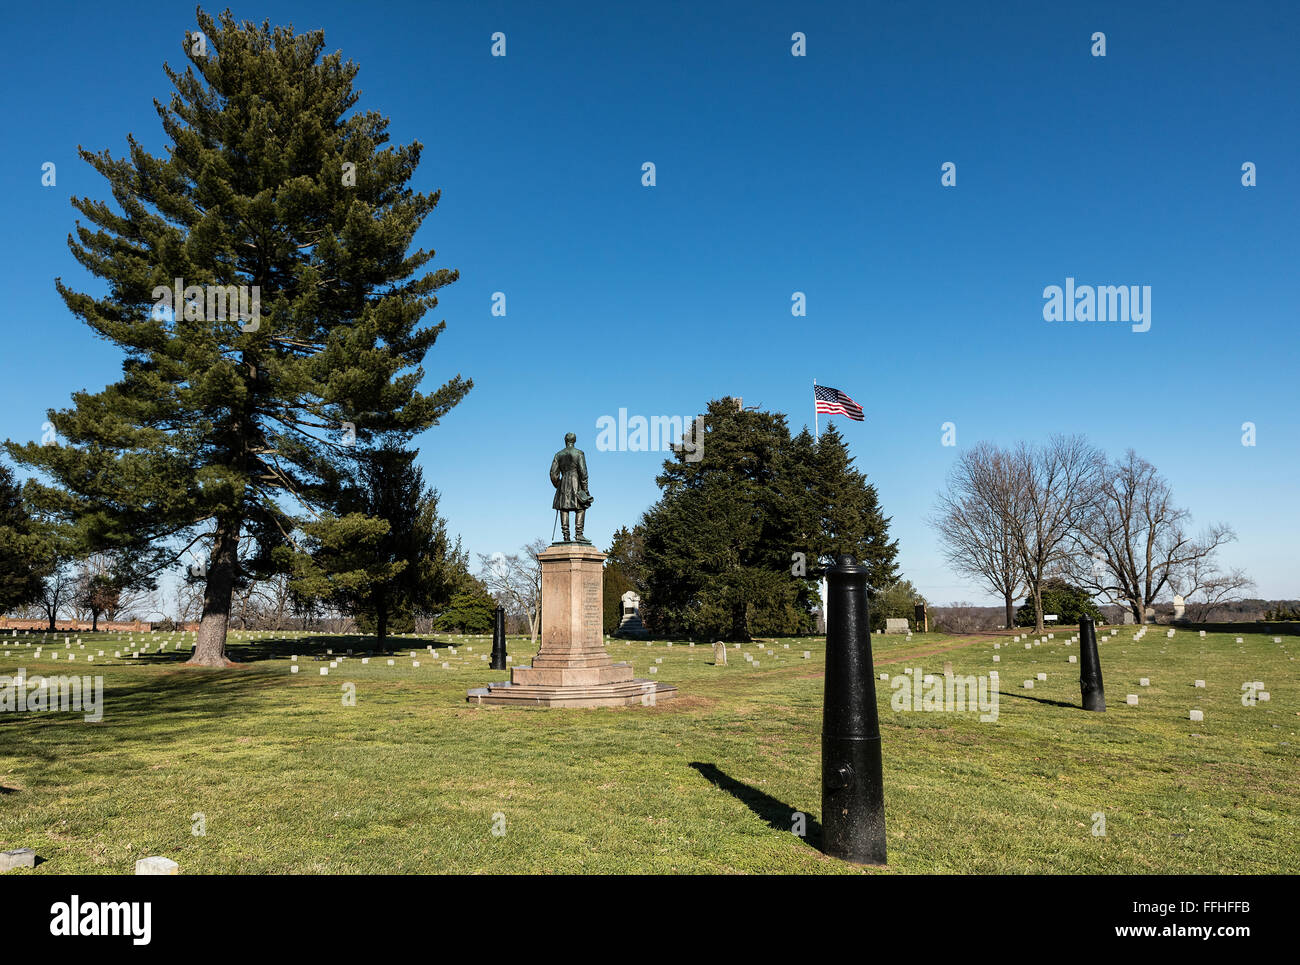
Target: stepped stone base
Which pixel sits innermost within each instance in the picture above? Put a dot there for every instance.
(632, 627)
(646, 693)
(572, 668)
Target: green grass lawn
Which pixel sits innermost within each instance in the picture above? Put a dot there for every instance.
(412, 779)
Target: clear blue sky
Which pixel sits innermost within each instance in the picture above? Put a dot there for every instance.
(775, 174)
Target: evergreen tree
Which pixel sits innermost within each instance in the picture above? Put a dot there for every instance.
(471, 609)
(622, 572)
(25, 556)
(1067, 601)
(718, 542)
(849, 519)
(735, 544)
(391, 573)
(897, 601)
(271, 184)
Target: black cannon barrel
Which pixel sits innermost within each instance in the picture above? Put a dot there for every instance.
(1094, 695)
(499, 639)
(853, 799)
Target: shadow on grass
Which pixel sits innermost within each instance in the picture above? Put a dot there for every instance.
(776, 813)
(150, 709)
(1042, 700)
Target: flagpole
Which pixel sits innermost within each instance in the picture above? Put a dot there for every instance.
(817, 431)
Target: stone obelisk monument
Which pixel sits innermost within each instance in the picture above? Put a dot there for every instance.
(571, 668)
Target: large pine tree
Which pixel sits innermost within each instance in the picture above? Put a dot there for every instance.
(221, 426)
(717, 545)
(735, 544)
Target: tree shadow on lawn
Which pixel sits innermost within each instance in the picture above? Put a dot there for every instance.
(251, 651)
(776, 813)
(148, 710)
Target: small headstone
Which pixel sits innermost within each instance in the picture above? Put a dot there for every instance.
(293, 668)
(18, 858)
(324, 671)
(997, 658)
(1197, 715)
(1144, 682)
(1029, 685)
(807, 654)
(1042, 676)
(1200, 683)
(157, 866)
(1073, 659)
(1132, 700)
(719, 654)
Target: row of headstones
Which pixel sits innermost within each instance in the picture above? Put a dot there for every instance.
(26, 858)
(324, 671)
(1130, 699)
(90, 658)
(720, 654)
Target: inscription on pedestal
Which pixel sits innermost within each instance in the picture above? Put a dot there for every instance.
(592, 618)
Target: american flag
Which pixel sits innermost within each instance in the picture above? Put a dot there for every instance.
(836, 402)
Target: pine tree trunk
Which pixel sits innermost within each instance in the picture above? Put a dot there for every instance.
(210, 644)
(381, 624)
(739, 622)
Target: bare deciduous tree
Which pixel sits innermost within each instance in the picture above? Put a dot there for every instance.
(1056, 493)
(976, 524)
(516, 581)
(1134, 545)
(1215, 588)
(58, 592)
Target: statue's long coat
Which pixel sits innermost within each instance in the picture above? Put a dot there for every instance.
(569, 477)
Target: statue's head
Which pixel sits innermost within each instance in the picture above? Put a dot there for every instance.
(570, 438)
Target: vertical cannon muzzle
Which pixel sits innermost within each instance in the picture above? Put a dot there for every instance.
(499, 639)
(853, 799)
(1094, 695)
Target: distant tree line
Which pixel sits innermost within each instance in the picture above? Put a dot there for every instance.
(1042, 519)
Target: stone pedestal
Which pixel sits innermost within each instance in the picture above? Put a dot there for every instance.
(571, 668)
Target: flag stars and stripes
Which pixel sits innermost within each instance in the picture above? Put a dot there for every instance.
(835, 402)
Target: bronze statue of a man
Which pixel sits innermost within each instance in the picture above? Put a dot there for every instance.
(569, 477)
